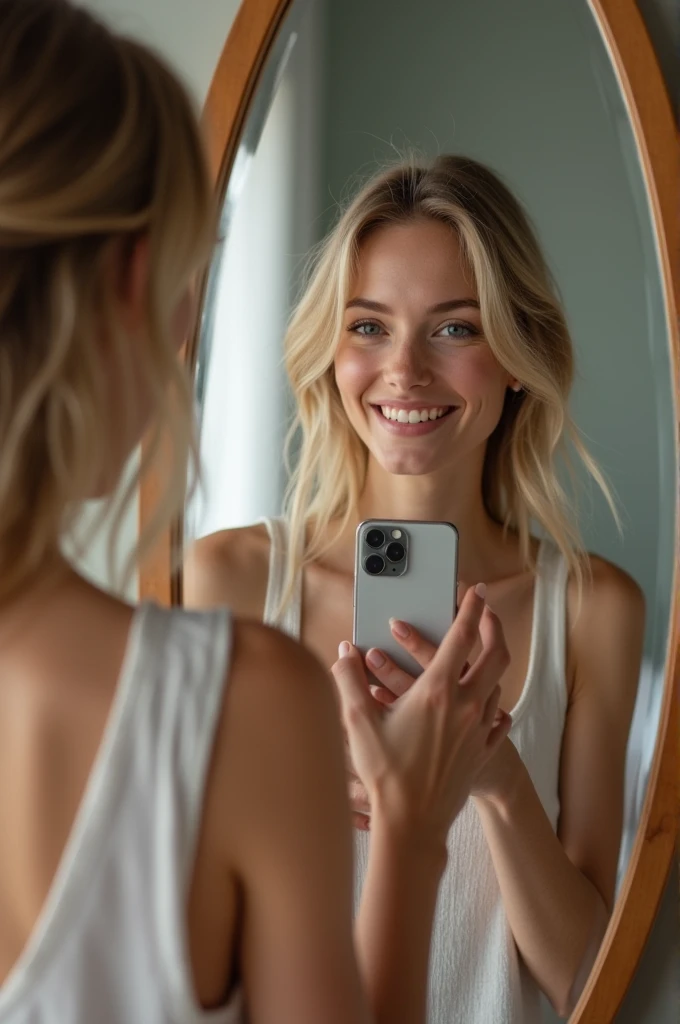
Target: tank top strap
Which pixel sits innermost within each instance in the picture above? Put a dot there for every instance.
(192, 654)
(550, 618)
(288, 618)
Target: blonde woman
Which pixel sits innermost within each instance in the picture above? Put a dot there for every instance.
(431, 365)
(175, 841)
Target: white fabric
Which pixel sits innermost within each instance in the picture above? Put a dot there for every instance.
(476, 975)
(110, 946)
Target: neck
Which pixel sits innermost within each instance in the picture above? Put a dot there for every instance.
(22, 607)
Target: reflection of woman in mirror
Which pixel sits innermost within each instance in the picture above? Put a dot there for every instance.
(431, 302)
(160, 844)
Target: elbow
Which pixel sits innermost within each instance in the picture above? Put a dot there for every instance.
(565, 1001)
(564, 1008)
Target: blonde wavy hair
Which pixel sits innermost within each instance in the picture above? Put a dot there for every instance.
(99, 147)
(524, 325)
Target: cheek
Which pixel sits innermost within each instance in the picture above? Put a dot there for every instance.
(353, 373)
(479, 376)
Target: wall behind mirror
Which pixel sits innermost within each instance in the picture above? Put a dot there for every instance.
(529, 89)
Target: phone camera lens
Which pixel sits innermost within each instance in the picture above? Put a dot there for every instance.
(374, 564)
(395, 552)
(375, 538)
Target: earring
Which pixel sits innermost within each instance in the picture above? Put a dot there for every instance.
(516, 387)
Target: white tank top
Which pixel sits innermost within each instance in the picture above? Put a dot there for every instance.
(110, 946)
(476, 973)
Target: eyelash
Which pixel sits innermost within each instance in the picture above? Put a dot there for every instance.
(473, 331)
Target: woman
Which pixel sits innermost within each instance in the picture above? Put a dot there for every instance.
(430, 300)
(175, 835)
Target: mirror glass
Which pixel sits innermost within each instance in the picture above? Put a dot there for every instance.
(529, 89)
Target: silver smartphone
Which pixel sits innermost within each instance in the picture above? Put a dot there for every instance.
(405, 570)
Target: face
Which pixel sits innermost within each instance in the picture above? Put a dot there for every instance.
(417, 378)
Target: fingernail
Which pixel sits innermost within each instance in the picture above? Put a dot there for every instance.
(480, 590)
(375, 658)
(374, 690)
(343, 649)
(399, 628)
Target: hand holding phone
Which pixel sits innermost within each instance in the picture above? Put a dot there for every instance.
(432, 750)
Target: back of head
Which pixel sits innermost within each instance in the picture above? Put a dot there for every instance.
(99, 147)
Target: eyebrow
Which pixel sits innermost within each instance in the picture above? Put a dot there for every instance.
(440, 307)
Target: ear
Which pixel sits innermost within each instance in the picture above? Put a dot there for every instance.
(133, 281)
(514, 384)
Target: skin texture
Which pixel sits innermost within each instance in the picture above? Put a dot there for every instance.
(558, 890)
(270, 901)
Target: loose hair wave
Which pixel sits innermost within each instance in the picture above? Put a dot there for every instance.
(524, 325)
(99, 146)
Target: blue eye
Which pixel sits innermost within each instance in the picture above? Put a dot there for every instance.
(367, 328)
(457, 330)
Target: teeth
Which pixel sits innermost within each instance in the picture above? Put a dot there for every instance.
(412, 415)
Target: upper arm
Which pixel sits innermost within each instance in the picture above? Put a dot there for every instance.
(606, 650)
(288, 836)
(228, 568)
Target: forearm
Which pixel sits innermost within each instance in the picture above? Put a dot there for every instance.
(394, 926)
(556, 915)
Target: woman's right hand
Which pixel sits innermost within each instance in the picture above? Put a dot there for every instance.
(418, 759)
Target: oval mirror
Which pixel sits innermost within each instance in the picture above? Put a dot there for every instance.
(565, 102)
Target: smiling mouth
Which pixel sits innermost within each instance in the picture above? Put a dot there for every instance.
(414, 415)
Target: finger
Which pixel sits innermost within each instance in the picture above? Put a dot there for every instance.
(498, 733)
(359, 713)
(382, 696)
(456, 647)
(492, 660)
(420, 649)
(387, 672)
(491, 708)
(490, 630)
(358, 798)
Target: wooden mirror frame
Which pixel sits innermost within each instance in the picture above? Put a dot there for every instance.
(235, 80)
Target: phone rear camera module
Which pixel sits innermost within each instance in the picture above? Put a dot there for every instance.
(375, 564)
(395, 552)
(375, 538)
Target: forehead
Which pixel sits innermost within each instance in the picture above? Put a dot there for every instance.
(419, 260)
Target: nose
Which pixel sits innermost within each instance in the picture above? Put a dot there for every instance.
(406, 366)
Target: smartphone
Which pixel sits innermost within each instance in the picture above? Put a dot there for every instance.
(407, 570)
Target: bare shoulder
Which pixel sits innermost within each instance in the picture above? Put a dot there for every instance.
(607, 624)
(279, 736)
(608, 592)
(275, 666)
(231, 568)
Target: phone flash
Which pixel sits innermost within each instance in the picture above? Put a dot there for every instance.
(396, 534)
